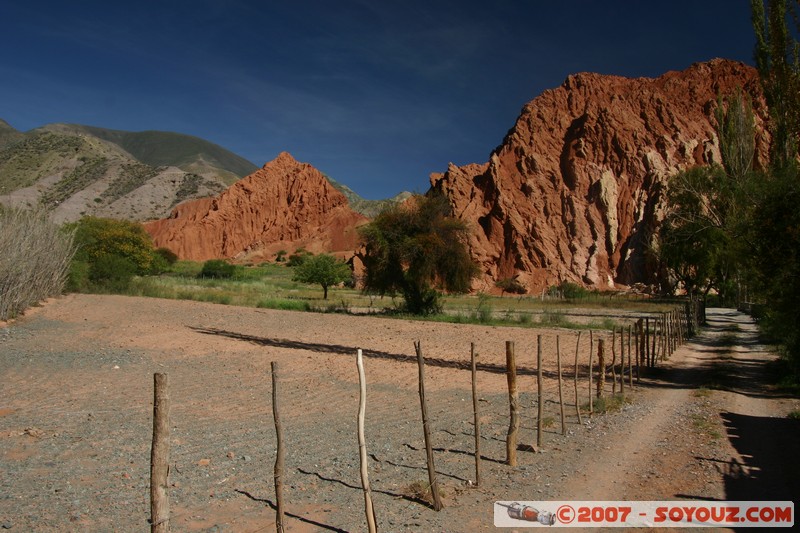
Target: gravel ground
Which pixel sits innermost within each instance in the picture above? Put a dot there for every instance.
(76, 405)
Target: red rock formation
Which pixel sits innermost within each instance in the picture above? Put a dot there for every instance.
(575, 191)
(284, 205)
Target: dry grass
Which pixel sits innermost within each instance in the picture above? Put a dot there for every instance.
(34, 261)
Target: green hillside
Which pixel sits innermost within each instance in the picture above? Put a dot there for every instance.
(162, 148)
(8, 135)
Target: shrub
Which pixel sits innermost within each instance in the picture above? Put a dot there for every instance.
(511, 285)
(218, 269)
(97, 237)
(483, 311)
(572, 291)
(112, 272)
(35, 255)
(168, 255)
(298, 258)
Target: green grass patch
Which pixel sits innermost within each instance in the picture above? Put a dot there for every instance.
(284, 304)
(270, 286)
(706, 426)
(609, 404)
(703, 392)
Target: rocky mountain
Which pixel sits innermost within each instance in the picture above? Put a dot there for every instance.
(286, 205)
(79, 170)
(576, 189)
(368, 208)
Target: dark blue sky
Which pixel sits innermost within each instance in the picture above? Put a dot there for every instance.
(377, 94)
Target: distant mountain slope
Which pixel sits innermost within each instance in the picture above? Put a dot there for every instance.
(368, 208)
(75, 170)
(73, 174)
(162, 148)
(8, 135)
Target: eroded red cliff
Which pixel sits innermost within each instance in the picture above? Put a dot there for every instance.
(283, 206)
(576, 189)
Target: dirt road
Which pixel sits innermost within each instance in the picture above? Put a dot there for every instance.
(75, 407)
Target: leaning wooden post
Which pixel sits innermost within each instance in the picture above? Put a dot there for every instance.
(473, 357)
(362, 443)
(601, 367)
(513, 404)
(560, 387)
(540, 393)
(159, 456)
(279, 454)
(577, 404)
(434, 484)
(591, 372)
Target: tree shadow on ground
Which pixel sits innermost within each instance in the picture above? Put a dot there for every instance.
(350, 350)
(768, 447)
(274, 507)
(407, 497)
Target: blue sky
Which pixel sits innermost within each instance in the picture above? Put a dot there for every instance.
(376, 94)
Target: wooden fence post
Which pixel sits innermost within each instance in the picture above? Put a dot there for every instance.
(362, 443)
(601, 367)
(476, 416)
(647, 342)
(279, 455)
(513, 404)
(434, 484)
(630, 358)
(613, 360)
(622, 360)
(653, 354)
(591, 372)
(560, 386)
(159, 456)
(540, 392)
(577, 402)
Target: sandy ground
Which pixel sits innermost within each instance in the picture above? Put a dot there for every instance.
(76, 407)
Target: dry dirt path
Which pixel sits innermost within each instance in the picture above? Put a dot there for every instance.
(75, 407)
(707, 427)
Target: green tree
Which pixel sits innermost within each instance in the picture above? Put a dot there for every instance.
(415, 249)
(322, 269)
(777, 57)
(775, 224)
(702, 241)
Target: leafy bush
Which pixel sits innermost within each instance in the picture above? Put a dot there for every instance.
(35, 255)
(511, 285)
(483, 311)
(112, 272)
(168, 255)
(218, 269)
(572, 291)
(98, 237)
(298, 258)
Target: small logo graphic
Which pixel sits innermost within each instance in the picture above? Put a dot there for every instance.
(527, 513)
